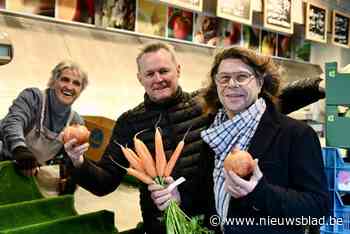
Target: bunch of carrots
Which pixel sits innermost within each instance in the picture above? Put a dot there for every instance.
(149, 171)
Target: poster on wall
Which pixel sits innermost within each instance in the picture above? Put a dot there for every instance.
(301, 48)
(207, 30)
(278, 15)
(152, 18)
(119, 14)
(251, 37)
(194, 5)
(76, 10)
(236, 10)
(180, 24)
(231, 33)
(268, 43)
(303, 52)
(316, 23)
(37, 7)
(2, 4)
(340, 32)
(284, 46)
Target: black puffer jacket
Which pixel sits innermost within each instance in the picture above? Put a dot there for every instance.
(176, 117)
(300, 93)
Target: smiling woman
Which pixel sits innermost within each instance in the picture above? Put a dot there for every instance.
(68, 81)
(32, 128)
(68, 86)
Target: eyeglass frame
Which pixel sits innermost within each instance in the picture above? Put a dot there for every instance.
(249, 79)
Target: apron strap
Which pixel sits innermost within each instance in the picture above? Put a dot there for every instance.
(42, 110)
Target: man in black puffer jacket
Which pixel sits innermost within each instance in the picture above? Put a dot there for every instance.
(178, 111)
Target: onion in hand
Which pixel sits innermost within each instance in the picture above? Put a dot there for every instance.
(79, 132)
(240, 162)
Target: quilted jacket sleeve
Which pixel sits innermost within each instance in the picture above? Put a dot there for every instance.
(300, 93)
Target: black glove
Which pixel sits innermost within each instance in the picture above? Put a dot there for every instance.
(25, 160)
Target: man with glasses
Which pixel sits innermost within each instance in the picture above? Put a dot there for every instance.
(31, 129)
(170, 108)
(237, 78)
(288, 179)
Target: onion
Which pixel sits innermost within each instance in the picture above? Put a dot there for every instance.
(240, 162)
(77, 131)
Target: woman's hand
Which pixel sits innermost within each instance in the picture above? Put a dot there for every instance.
(76, 152)
(239, 187)
(162, 196)
(25, 161)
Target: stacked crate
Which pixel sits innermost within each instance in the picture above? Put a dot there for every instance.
(337, 136)
(338, 94)
(340, 212)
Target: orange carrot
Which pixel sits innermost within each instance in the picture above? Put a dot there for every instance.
(133, 161)
(160, 154)
(146, 157)
(140, 175)
(134, 155)
(172, 161)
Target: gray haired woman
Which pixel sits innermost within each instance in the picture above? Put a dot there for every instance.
(31, 130)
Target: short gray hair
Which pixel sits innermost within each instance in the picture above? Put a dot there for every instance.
(154, 47)
(67, 64)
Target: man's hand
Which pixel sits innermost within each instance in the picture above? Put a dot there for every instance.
(162, 196)
(239, 187)
(76, 152)
(25, 161)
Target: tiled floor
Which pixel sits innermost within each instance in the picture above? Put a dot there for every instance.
(124, 202)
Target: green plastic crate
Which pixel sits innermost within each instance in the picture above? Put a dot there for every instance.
(337, 94)
(337, 86)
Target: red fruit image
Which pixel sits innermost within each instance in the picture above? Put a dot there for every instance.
(182, 28)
